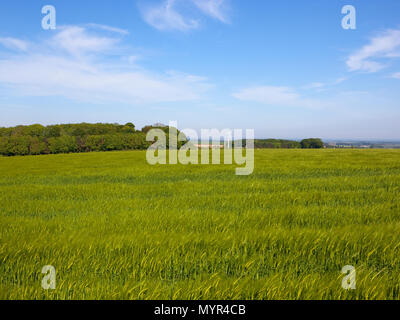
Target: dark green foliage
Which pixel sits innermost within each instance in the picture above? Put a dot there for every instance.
(312, 143)
(287, 144)
(37, 146)
(66, 138)
(276, 144)
(86, 137)
(166, 129)
(63, 144)
(15, 145)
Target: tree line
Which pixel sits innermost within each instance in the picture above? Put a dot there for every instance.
(67, 138)
(312, 143)
(85, 137)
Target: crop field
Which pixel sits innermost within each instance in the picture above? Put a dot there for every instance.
(115, 227)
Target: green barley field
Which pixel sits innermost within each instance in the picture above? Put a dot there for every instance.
(115, 227)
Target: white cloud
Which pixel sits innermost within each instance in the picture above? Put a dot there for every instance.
(385, 45)
(213, 8)
(78, 68)
(165, 17)
(321, 85)
(13, 43)
(108, 28)
(77, 41)
(340, 80)
(315, 85)
(396, 75)
(53, 76)
(279, 96)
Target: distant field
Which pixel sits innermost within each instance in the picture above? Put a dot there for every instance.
(115, 227)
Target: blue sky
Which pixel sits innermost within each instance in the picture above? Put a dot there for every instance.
(284, 68)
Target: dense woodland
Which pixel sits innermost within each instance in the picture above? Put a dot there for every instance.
(276, 144)
(84, 137)
(288, 144)
(65, 138)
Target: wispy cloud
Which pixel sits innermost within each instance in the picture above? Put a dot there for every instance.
(278, 96)
(315, 85)
(340, 80)
(107, 28)
(165, 17)
(385, 45)
(323, 85)
(171, 14)
(396, 75)
(74, 64)
(214, 8)
(13, 43)
(76, 40)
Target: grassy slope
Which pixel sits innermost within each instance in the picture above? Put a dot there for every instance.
(117, 228)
